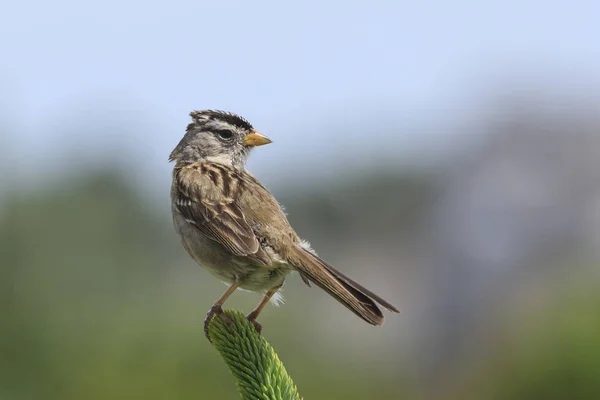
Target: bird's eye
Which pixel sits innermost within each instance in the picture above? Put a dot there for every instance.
(225, 134)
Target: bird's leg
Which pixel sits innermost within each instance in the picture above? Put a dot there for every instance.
(254, 314)
(217, 310)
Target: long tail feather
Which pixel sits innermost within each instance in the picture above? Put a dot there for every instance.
(356, 298)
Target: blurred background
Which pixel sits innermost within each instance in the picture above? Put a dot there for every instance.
(444, 154)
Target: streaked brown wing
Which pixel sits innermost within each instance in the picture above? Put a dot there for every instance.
(201, 202)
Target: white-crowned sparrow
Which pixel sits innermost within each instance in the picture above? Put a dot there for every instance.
(230, 223)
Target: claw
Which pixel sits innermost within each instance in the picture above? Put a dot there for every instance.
(252, 318)
(257, 326)
(212, 312)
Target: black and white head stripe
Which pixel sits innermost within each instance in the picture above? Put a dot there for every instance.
(217, 117)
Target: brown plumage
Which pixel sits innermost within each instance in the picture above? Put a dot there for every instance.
(233, 226)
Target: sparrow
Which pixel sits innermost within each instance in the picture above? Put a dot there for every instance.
(230, 224)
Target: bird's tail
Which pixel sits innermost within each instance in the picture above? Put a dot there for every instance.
(356, 298)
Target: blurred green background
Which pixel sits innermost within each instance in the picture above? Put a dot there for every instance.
(447, 160)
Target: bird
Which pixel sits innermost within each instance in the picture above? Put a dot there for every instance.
(230, 224)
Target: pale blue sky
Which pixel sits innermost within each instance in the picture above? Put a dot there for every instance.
(294, 70)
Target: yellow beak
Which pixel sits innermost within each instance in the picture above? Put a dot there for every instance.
(256, 139)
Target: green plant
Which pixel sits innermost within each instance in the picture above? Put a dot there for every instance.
(258, 372)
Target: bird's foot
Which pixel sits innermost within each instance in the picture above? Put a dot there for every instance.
(215, 310)
(252, 318)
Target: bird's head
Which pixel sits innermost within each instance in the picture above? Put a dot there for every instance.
(217, 136)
